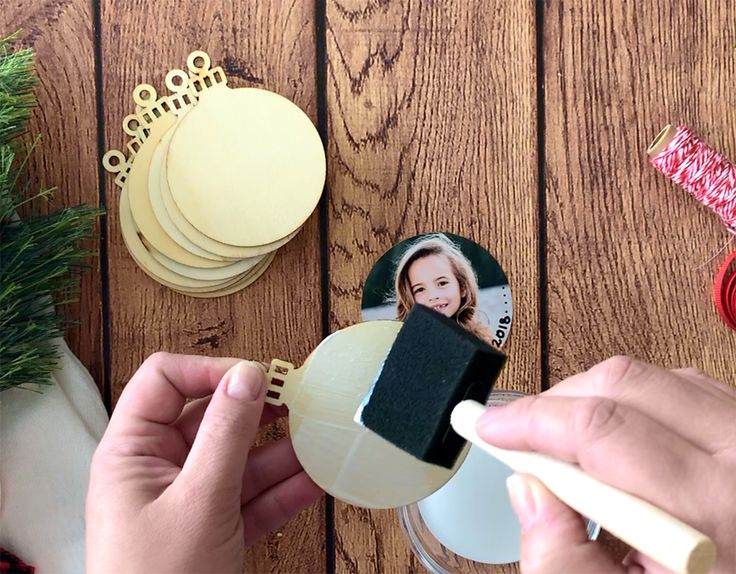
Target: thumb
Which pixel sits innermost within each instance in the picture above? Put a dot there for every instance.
(219, 452)
(553, 536)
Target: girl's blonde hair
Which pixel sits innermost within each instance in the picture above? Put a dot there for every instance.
(440, 244)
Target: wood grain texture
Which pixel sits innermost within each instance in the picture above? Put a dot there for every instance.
(628, 250)
(61, 33)
(432, 127)
(263, 44)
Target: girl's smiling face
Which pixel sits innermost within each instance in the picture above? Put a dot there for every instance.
(434, 285)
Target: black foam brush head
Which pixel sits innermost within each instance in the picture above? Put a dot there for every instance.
(433, 364)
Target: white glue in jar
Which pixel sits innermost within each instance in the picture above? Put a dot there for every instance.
(468, 525)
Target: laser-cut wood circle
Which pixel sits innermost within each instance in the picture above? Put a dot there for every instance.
(344, 458)
(131, 125)
(145, 261)
(159, 209)
(140, 203)
(248, 279)
(246, 167)
(199, 238)
(235, 269)
(159, 238)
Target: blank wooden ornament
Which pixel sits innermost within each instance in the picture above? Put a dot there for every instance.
(241, 284)
(344, 458)
(140, 202)
(246, 167)
(220, 273)
(155, 241)
(147, 110)
(159, 209)
(153, 268)
(199, 238)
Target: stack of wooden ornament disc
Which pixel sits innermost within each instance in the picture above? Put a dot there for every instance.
(216, 179)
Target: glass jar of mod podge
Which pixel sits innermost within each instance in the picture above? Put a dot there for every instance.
(468, 525)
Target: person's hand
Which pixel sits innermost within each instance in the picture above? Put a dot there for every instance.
(175, 487)
(668, 437)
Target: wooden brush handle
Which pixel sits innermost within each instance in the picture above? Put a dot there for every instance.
(643, 526)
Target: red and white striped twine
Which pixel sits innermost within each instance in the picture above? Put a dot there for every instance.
(702, 171)
(711, 179)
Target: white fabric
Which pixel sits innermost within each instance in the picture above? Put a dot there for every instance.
(46, 446)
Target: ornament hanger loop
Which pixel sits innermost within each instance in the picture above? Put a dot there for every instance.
(177, 81)
(114, 161)
(144, 95)
(131, 125)
(198, 62)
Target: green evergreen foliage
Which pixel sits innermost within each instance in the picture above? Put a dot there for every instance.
(39, 255)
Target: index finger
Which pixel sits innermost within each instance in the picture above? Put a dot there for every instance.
(610, 441)
(668, 397)
(159, 389)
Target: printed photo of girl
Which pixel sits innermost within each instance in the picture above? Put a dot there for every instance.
(450, 274)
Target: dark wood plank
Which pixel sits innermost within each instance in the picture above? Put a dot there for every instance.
(264, 44)
(432, 127)
(61, 33)
(628, 250)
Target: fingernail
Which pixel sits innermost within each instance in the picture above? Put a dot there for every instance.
(246, 381)
(522, 499)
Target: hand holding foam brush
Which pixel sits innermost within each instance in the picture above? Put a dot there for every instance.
(406, 408)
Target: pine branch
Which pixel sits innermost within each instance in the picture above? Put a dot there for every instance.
(17, 79)
(40, 256)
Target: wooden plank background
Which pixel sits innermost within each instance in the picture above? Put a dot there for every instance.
(628, 252)
(521, 125)
(429, 123)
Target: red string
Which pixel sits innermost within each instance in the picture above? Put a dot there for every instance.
(711, 179)
(725, 291)
(702, 171)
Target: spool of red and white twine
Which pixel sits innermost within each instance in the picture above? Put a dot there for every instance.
(711, 178)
